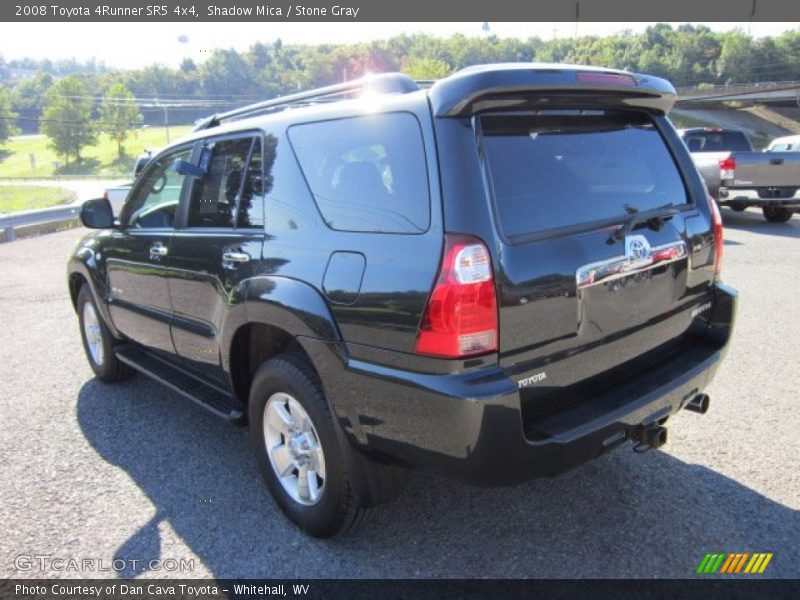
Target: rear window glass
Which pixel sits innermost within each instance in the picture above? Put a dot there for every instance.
(716, 141)
(560, 169)
(366, 173)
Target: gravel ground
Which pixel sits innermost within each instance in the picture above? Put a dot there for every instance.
(134, 471)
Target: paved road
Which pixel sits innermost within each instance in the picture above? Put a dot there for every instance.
(133, 471)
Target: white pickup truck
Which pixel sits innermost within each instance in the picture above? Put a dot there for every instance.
(739, 177)
(117, 195)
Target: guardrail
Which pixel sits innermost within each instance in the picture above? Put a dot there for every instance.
(36, 222)
(713, 90)
(784, 90)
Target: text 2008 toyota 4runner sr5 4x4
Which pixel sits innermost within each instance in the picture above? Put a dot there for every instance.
(496, 278)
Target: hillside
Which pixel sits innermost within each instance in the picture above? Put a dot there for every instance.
(762, 125)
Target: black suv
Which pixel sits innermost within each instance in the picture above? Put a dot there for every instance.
(498, 277)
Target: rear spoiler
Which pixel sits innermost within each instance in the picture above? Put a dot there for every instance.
(527, 86)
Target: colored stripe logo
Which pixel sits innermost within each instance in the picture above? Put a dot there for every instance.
(733, 563)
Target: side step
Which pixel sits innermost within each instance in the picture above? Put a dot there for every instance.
(206, 395)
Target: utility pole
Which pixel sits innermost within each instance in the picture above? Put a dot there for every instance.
(166, 117)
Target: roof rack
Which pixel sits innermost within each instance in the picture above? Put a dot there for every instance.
(384, 83)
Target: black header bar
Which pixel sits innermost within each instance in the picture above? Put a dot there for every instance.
(193, 11)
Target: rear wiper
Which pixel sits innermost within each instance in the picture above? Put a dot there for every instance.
(655, 218)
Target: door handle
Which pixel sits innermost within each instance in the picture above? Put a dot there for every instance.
(232, 258)
(158, 250)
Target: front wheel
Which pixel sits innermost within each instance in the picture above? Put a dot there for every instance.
(777, 214)
(298, 451)
(98, 342)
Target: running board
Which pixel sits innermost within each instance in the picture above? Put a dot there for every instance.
(206, 395)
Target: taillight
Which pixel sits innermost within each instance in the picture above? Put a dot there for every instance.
(719, 242)
(727, 166)
(461, 316)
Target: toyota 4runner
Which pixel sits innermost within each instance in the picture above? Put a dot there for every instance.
(497, 277)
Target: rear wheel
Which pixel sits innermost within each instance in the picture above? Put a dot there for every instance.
(303, 461)
(98, 342)
(777, 214)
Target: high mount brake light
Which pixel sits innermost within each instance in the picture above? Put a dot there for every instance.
(460, 318)
(719, 242)
(605, 78)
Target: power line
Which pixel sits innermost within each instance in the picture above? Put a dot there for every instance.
(137, 126)
(146, 101)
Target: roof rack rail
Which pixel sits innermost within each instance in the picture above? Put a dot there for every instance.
(383, 83)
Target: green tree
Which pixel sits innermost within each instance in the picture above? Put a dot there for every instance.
(7, 117)
(226, 72)
(119, 113)
(735, 60)
(27, 97)
(67, 117)
(426, 68)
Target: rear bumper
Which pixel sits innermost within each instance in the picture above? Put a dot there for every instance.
(470, 425)
(751, 197)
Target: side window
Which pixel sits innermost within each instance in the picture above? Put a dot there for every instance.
(215, 196)
(257, 184)
(155, 202)
(367, 173)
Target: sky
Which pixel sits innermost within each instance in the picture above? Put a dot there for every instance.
(122, 45)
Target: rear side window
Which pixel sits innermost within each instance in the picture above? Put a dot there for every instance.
(366, 173)
(559, 169)
(717, 141)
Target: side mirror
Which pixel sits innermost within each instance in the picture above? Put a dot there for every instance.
(97, 214)
(184, 167)
(141, 163)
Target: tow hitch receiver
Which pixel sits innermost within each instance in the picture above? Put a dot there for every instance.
(652, 436)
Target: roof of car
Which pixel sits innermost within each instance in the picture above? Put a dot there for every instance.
(463, 93)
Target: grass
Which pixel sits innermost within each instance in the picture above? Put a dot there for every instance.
(14, 198)
(770, 115)
(683, 121)
(100, 159)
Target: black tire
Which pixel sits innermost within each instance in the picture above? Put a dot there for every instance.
(109, 369)
(777, 214)
(337, 509)
(737, 206)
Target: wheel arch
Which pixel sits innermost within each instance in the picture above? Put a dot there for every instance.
(82, 270)
(277, 313)
(76, 281)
